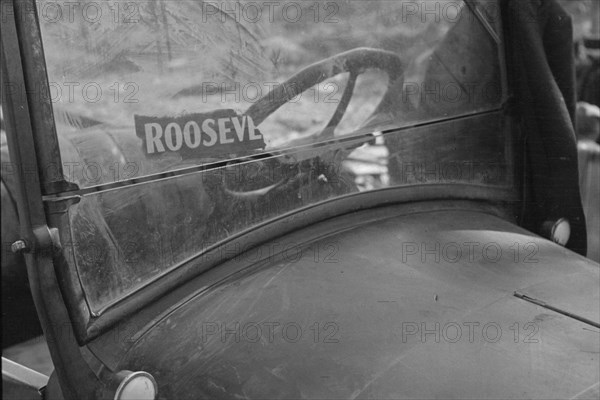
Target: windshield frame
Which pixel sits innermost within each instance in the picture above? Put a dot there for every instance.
(52, 171)
(57, 192)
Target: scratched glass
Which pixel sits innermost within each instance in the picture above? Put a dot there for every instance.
(327, 98)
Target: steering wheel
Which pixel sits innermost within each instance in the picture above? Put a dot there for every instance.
(356, 62)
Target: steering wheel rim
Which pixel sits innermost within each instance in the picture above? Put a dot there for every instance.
(355, 61)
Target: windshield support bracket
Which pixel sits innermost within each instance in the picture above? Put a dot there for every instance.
(472, 4)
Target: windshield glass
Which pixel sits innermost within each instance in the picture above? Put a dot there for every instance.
(255, 109)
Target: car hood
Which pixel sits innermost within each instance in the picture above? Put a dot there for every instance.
(447, 304)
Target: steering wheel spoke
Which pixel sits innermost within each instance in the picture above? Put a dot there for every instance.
(337, 116)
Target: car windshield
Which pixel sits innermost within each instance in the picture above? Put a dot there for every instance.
(185, 123)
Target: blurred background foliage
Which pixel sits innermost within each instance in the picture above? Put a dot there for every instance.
(581, 11)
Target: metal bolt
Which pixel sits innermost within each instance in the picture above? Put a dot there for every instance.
(20, 246)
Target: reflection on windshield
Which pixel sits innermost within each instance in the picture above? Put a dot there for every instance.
(111, 61)
(311, 91)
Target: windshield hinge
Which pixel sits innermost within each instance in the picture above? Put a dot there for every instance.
(46, 239)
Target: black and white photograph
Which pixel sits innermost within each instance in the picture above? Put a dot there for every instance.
(300, 199)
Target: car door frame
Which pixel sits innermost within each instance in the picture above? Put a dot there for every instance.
(30, 122)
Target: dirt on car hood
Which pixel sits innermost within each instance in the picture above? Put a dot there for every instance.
(448, 304)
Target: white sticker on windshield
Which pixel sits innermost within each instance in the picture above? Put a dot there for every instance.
(204, 135)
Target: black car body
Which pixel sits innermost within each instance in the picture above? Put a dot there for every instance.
(205, 239)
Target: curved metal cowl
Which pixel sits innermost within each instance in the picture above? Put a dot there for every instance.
(442, 304)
